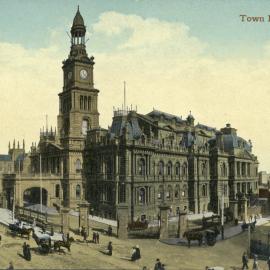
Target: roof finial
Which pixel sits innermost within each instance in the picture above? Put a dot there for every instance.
(78, 8)
(189, 112)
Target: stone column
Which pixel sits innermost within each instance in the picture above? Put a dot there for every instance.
(65, 220)
(84, 215)
(163, 230)
(122, 221)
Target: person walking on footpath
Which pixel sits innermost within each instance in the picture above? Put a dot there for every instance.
(24, 249)
(255, 263)
(97, 237)
(28, 253)
(94, 238)
(245, 261)
(268, 263)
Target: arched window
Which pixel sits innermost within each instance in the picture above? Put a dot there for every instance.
(78, 166)
(177, 169)
(141, 196)
(161, 168)
(78, 192)
(223, 170)
(57, 191)
(141, 167)
(85, 127)
(169, 168)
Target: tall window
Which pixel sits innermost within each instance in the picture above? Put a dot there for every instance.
(141, 197)
(81, 102)
(161, 168)
(78, 192)
(85, 103)
(169, 168)
(141, 167)
(184, 170)
(57, 191)
(177, 169)
(89, 103)
(78, 166)
(160, 192)
(204, 191)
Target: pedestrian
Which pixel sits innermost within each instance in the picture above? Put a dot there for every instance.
(94, 238)
(84, 235)
(28, 253)
(268, 263)
(255, 263)
(24, 249)
(108, 251)
(137, 252)
(245, 261)
(110, 230)
(0, 239)
(97, 237)
(157, 265)
(133, 254)
(10, 267)
(162, 267)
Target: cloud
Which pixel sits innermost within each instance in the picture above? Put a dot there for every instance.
(165, 67)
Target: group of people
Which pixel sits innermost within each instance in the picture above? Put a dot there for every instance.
(159, 265)
(26, 251)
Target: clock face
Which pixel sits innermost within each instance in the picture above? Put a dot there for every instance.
(83, 74)
(69, 75)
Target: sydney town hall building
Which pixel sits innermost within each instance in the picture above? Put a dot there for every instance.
(141, 159)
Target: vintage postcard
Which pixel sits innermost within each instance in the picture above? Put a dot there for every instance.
(134, 134)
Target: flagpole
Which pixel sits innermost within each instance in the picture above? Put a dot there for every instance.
(40, 180)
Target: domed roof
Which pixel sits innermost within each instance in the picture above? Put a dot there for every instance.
(78, 19)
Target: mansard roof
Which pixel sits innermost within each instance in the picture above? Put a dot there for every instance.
(167, 116)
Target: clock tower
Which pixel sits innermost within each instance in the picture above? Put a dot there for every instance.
(78, 110)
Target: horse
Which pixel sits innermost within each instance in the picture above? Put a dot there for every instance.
(245, 226)
(59, 244)
(193, 235)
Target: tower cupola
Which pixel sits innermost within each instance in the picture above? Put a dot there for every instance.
(78, 31)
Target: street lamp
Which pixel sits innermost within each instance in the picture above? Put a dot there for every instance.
(222, 212)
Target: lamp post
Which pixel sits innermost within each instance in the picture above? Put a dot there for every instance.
(40, 180)
(222, 212)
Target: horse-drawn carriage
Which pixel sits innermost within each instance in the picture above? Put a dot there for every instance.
(209, 234)
(137, 225)
(48, 243)
(20, 228)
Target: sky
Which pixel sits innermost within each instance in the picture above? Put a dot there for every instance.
(176, 56)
